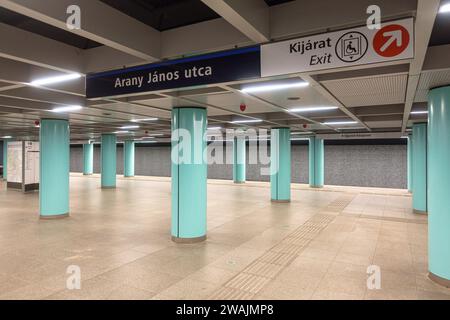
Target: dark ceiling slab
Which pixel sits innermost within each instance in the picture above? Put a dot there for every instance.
(441, 30)
(276, 2)
(29, 24)
(164, 14)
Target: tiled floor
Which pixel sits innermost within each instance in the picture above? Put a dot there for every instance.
(317, 247)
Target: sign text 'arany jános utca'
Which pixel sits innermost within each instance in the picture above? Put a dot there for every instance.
(220, 67)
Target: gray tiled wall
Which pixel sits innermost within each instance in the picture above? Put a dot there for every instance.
(347, 165)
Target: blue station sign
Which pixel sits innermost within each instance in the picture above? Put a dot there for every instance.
(226, 66)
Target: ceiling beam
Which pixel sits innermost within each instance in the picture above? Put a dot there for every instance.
(24, 46)
(99, 22)
(251, 17)
(426, 15)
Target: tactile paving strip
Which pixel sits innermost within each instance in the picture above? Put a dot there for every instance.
(260, 272)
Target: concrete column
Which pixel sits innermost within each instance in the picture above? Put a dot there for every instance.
(439, 185)
(409, 151)
(419, 169)
(54, 164)
(88, 159)
(189, 174)
(280, 164)
(239, 159)
(5, 160)
(109, 161)
(128, 158)
(316, 162)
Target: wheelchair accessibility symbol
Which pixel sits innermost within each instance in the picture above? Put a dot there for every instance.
(352, 46)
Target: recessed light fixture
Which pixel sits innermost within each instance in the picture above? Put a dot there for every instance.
(312, 109)
(302, 132)
(67, 109)
(145, 119)
(6, 137)
(57, 79)
(333, 123)
(445, 8)
(274, 87)
(121, 132)
(419, 112)
(246, 121)
(214, 128)
(129, 127)
(299, 139)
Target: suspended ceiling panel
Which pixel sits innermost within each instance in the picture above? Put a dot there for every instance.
(295, 98)
(431, 79)
(231, 102)
(134, 110)
(384, 124)
(369, 91)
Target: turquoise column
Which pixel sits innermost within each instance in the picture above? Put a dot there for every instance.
(88, 159)
(439, 185)
(5, 160)
(109, 161)
(239, 159)
(409, 164)
(189, 174)
(280, 164)
(316, 162)
(128, 158)
(54, 162)
(419, 169)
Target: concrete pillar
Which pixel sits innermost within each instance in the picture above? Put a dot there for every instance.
(54, 164)
(109, 161)
(439, 185)
(5, 160)
(316, 162)
(409, 151)
(419, 169)
(128, 158)
(189, 174)
(280, 164)
(239, 159)
(88, 159)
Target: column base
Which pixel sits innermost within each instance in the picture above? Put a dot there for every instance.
(188, 240)
(54, 217)
(439, 280)
(419, 211)
(107, 187)
(316, 187)
(239, 182)
(128, 176)
(87, 174)
(280, 201)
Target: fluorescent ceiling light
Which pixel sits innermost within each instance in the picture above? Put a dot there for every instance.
(419, 112)
(332, 123)
(312, 109)
(351, 128)
(156, 134)
(57, 79)
(246, 121)
(145, 119)
(214, 128)
(303, 132)
(445, 8)
(129, 127)
(67, 109)
(6, 137)
(299, 139)
(274, 87)
(121, 132)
